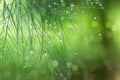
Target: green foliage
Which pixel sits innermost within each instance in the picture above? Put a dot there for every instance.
(50, 39)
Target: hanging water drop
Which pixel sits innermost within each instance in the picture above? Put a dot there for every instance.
(69, 64)
(31, 51)
(74, 67)
(55, 63)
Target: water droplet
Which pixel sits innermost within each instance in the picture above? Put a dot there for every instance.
(95, 18)
(48, 42)
(69, 64)
(100, 4)
(46, 21)
(63, 4)
(19, 6)
(78, 31)
(45, 54)
(47, 32)
(72, 5)
(34, 1)
(96, 2)
(62, 18)
(58, 33)
(49, 25)
(92, 3)
(75, 53)
(67, 12)
(61, 1)
(87, 3)
(55, 3)
(94, 23)
(100, 34)
(114, 28)
(4, 49)
(49, 6)
(24, 66)
(61, 40)
(83, 12)
(74, 67)
(55, 63)
(31, 51)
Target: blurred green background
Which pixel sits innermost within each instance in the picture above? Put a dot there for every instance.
(59, 39)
